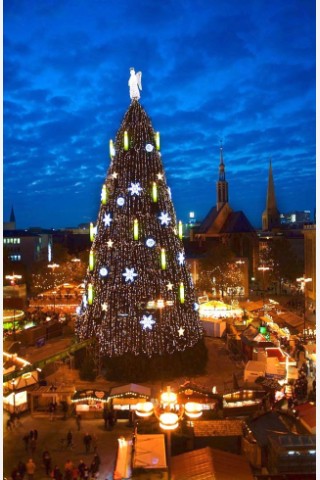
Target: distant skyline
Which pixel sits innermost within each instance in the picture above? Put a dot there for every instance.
(240, 72)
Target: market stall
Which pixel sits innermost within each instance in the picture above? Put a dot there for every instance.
(125, 397)
(15, 391)
(242, 402)
(191, 392)
(90, 403)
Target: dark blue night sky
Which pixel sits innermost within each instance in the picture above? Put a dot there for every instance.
(240, 71)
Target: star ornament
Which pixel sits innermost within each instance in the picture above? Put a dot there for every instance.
(107, 219)
(181, 258)
(169, 286)
(114, 175)
(129, 275)
(104, 307)
(181, 331)
(110, 243)
(160, 176)
(164, 218)
(135, 189)
(147, 322)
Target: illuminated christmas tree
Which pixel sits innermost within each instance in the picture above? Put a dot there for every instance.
(139, 296)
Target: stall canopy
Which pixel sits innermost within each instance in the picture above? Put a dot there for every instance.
(150, 452)
(84, 395)
(130, 390)
(208, 464)
(190, 391)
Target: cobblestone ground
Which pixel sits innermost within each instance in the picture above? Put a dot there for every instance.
(50, 435)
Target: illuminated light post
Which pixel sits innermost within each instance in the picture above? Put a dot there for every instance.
(13, 279)
(169, 413)
(303, 280)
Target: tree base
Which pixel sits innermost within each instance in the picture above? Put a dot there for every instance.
(131, 368)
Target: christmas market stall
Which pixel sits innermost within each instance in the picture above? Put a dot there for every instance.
(242, 402)
(90, 403)
(125, 397)
(191, 392)
(15, 388)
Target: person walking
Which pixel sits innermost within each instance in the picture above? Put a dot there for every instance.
(46, 458)
(35, 434)
(87, 442)
(22, 469)
(56, 473)
(30, 468)
(68, 470)
(81, 468)
(69, 439)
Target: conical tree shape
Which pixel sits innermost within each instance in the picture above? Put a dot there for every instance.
(139, 297)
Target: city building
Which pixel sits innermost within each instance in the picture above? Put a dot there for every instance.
(231, 228)
(295, 218)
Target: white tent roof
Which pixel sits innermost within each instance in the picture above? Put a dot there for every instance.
(130, 388)
(150, 452)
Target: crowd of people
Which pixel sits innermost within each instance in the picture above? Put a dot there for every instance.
(70, 471)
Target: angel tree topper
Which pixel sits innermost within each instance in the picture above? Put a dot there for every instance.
(135, 84)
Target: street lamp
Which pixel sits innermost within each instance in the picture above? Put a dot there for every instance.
(169, 413)
(13, 279)
(303, 280)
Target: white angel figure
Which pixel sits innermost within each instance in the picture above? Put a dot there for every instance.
(134, 84)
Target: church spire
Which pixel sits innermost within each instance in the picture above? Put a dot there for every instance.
(222, 184)
(271, 216)
(12, 216)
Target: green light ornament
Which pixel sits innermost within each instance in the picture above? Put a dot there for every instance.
(135, 229)
(157, 140)
(104, 195)
(126, 141)
(91, 260)
(181, 292)
(90, 293)
(163, 259)
(154, 192)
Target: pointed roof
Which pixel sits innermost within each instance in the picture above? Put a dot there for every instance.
(237, 222)
(222, 176)
(208, 221)
(271, 197)
(12, 215)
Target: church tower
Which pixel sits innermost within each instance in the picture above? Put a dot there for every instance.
(222, 184)
(271, 215)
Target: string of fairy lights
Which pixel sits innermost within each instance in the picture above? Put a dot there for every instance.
(139, 295)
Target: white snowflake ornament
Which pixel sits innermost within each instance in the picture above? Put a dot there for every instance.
(107, 219)
(181, 258)
(147, 322)
(135, 188)
(129, 275)
(164, 218)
